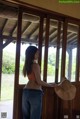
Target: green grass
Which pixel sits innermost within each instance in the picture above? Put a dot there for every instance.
(7, 86)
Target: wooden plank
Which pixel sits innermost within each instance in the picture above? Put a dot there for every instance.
(15, 109)
(46, 49)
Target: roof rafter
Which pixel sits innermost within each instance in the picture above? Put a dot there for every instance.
(2, 29)
(11, 33)
(26, 27)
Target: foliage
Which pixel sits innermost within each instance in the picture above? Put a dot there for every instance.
(51, 69)
(8, 63)
(8, 66)
(51, 59)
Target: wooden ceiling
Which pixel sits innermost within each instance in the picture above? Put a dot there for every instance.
(30, 28)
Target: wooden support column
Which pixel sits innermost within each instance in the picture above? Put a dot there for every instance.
(78, 58)
(57, 52)
(44, 115)
(64, 41)
(56, 99)
(40, 39)
(69, 63)
(15, 110)
(46, 49)
(1, 52)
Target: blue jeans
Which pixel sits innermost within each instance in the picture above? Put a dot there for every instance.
(32, 103)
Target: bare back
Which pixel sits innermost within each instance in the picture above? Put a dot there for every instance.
(33, 84)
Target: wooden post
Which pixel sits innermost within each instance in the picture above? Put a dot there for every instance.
(15, 109)
(46, 49)
(40, 39)
(45, 62)
(57, 52)
(56, 99)
(69, 63)
(64, 48)
(64, 41)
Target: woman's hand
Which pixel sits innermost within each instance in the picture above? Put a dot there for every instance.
(53, 84)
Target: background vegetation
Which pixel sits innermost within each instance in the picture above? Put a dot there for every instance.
(8, 66)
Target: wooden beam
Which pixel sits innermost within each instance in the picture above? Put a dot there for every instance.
(71, 38)
(3, 26)
(74, 43)
(72, 28)
(70, 35)
(40, 39)
(52, 30)
(7, 43)
(26, 27)
(23, 40)
(17, 63)
(57, 105)
(46, 48)
(11, 33)
(53, 40)
(53, 34)
(57, 53)
(64, 41)
(74, 21)
(69, 50)
(34, 30)
(44, 29)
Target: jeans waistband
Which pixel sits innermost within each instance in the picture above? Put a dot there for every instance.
(36, 90)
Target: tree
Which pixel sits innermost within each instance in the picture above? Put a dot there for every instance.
(8, 65)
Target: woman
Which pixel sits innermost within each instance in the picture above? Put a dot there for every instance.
(32, 92)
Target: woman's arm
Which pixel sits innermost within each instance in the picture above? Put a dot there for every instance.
(36, 70)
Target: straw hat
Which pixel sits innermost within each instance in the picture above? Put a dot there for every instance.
(65, 90)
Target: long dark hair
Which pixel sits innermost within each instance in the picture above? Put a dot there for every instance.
(29, 57)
